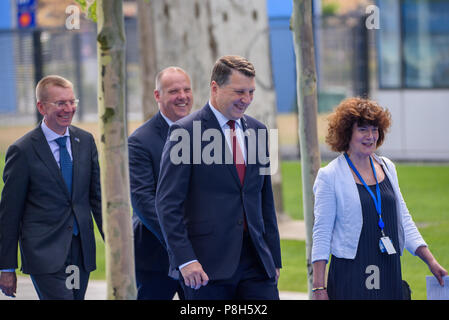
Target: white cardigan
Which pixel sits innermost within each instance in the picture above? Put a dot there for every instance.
(338, 212)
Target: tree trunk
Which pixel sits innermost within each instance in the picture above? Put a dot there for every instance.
(147, 50)
(116, 209)
(307, 114)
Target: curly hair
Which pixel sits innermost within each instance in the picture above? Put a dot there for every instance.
(355, 110)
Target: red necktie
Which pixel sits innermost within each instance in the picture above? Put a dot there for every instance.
(237, 154)
(239, 161)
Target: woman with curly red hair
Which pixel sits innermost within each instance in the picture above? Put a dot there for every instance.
(361, 219)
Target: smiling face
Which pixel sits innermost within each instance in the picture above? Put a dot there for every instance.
(233, 97)
(363, 140)
(57, 118)
(174, 97)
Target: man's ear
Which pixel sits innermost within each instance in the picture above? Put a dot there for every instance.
(213, 86)
(156, 95)
(40, 108)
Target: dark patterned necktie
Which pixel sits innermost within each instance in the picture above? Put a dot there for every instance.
(66, 166)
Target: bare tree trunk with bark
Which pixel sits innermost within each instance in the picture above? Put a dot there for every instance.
(120, 272)
(307, 115)
(147, 50)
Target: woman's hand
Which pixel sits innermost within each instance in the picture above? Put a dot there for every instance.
(320, 295)
(438, 271)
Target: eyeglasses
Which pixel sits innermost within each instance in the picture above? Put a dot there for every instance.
(62, 103)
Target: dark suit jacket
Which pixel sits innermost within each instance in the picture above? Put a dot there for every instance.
(145, 150)
(200, 206)
(36, 209)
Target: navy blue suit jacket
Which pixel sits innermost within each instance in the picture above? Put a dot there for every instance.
(200, 206)
(36, 209)
(145, 150)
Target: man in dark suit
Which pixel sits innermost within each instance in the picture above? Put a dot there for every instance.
(173, 95)
(218, 217)
(51, 187)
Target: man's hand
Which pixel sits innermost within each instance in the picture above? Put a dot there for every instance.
(8, 283)
(194, 275)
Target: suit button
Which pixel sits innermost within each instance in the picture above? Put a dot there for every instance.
(240, 222)
(70, 228)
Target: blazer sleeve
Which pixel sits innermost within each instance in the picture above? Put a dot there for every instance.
(325, 211)
(143, 186)
(95, 188)
(12, 203)
(270, 222)
(269, 211)
(173, 185)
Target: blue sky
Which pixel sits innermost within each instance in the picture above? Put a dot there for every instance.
(278, 8)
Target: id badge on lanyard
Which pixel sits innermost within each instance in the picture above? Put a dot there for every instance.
(385, 244)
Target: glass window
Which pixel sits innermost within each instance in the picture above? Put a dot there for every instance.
(389, 44)
(413, 44)
(426, 43)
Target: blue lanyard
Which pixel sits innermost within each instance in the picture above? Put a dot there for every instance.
(378, 201)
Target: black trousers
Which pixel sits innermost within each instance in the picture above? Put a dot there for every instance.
(68, 283)
(157, 285)
(249, 282)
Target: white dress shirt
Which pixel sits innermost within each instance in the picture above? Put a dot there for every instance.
(169, 122)
(223, 122)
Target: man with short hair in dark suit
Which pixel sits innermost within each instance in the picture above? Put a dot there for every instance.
(173, 95)
(51, 188)
(214, 198)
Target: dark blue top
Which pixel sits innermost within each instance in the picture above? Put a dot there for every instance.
(356, 278)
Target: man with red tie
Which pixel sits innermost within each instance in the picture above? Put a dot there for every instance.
(218, 219)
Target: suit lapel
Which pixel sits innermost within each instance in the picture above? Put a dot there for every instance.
(162, 127)
(209, 121)
(43, 151)
(75, 144)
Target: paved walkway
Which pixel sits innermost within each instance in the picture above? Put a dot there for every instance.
(96, 290)
(292, 229)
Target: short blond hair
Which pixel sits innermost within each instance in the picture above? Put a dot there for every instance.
(51, 80)
(158, 80)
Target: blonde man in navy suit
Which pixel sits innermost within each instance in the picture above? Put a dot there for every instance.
(51, 190)
(174, 97)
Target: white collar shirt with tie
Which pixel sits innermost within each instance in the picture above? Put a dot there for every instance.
(51, 137)
(223, 122)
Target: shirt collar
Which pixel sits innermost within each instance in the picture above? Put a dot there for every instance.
(50, 135)
(222, 120)
(169, 122)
